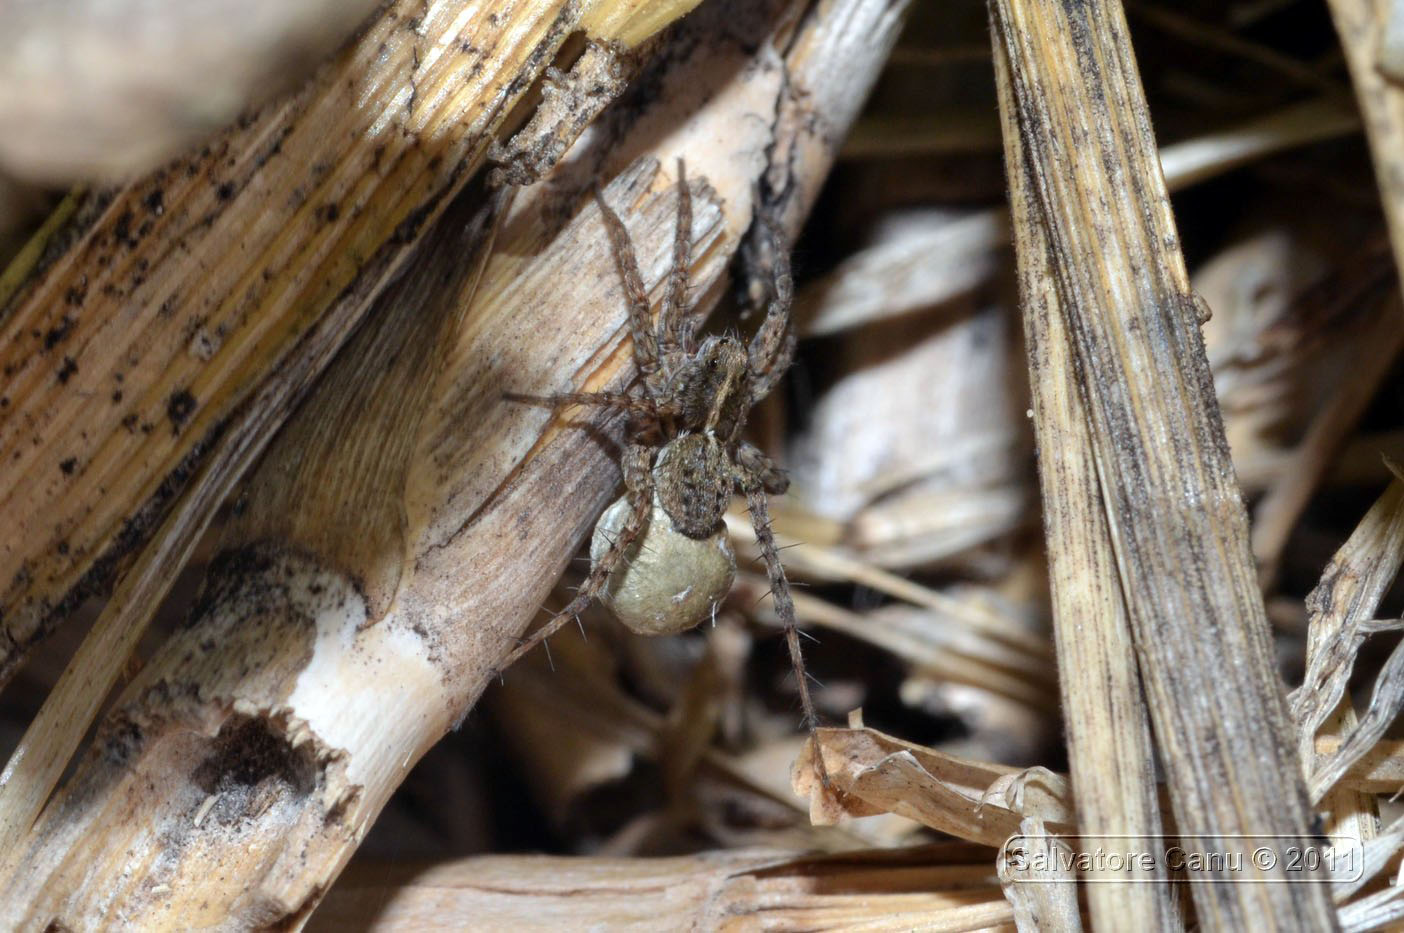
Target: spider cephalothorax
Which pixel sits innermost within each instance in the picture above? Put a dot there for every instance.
(660, 556)
(712, 389)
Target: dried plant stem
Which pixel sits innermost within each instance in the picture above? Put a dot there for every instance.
(1050, 902)
(218, 454)
(1360, 24)
(1350, 814)
(1340, 609)
(1005, 672)
(1108, 730)
(829, 563)
(1378, 771)
(1174, 512)
(973, 800)
(948, 887)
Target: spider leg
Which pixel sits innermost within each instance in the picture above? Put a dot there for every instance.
(773, 346)
(640, 315)
(772, 479)
(638, 487)
(784, 605)
(617, 400)
(674, 330)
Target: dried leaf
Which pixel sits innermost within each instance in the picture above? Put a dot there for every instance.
(876, 773)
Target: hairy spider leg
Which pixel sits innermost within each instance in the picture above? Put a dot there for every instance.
(622, 401)
(640, 314)
(759, 508)
(638, 488)
(675, 334)
(770, 352)
(773, 346)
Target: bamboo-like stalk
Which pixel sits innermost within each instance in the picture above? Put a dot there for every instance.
(1174, 512)
(403, 530)
(1108, 729)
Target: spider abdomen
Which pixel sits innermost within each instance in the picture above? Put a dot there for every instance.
(668, 582)
(694, 480)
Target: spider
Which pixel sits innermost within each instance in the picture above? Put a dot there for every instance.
(685, 453)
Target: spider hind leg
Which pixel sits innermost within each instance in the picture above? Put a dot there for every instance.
(784, 605)
(638, 485)
(773, 347)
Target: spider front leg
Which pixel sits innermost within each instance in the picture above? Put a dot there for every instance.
(638, 487)
(752, 485)
(674, 328)
(773, 346)
(621, 401)
(640, 314)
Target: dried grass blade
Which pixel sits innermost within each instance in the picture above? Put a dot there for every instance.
(935, 261)
(972, 800)
(1376, 855)
(1385, 703)
(1108, 729)
(945, 887)
(1175, 512)
(1341, 608)
(1378, 911)
(831, 563)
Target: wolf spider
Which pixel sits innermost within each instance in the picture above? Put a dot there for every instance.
(685, 453)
